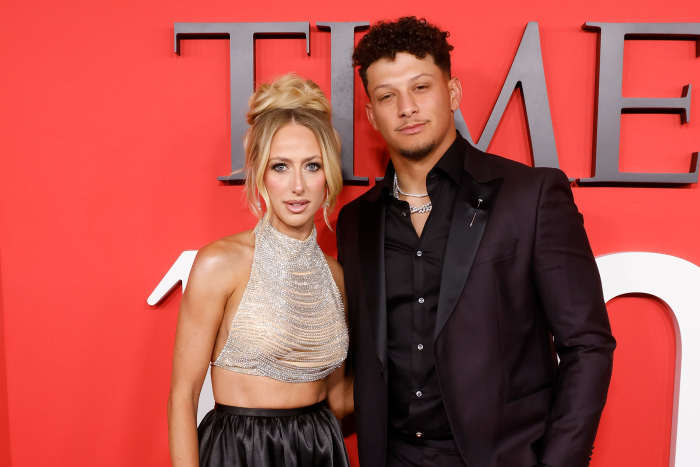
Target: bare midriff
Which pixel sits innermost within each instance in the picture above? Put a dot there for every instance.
(242, 390)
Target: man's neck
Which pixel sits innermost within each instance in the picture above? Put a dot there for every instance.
(411, 173)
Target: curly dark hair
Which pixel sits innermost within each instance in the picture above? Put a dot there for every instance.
(408, 34)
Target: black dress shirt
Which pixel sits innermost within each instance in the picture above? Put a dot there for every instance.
(413, 272)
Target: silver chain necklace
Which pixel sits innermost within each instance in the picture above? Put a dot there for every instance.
(412, 195)
(425, 208)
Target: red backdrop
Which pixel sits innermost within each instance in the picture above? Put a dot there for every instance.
(111, 145)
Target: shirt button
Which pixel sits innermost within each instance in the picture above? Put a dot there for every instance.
(403, 213)
(419, 253)
(419, 394)
(419, 346)
(419, 434)
(421, 300)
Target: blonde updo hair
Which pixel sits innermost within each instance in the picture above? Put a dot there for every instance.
(289, 99)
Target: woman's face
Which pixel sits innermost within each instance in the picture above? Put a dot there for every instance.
(295, 180)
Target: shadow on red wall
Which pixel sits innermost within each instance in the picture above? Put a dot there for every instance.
(4, 418)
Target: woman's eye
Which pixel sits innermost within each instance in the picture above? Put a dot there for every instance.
(279, 167)
(313, 166)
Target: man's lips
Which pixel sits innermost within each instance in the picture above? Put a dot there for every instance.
(411, 128)
(297, 206)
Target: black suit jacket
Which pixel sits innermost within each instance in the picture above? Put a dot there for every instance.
(519, 282)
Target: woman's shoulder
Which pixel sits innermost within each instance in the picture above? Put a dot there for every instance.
(228, 256)
(336, 270)
(333, 264)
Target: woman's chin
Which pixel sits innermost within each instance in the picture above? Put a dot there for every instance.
(292, 222)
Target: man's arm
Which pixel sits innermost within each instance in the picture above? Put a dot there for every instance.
(339, 230)
(348, 423)
(569, 286)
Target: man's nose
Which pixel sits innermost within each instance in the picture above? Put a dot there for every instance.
(407, 105)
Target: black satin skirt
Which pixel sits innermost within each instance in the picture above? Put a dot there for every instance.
(300, 437)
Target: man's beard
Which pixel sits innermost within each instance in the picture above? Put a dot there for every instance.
(416, 154)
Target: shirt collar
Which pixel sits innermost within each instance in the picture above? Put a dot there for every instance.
(451, 164)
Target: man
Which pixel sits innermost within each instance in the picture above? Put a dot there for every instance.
(467, 275)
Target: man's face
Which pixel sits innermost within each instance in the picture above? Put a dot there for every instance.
(411, 104)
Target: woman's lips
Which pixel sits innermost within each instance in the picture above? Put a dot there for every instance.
(297, 206)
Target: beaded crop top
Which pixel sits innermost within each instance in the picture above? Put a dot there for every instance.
(290, 324)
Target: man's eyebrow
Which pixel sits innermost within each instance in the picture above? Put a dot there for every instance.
(387, 85)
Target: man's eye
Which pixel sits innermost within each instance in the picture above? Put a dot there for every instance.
(313, 166)
(384, 97)
(422, 87)
(279, 167)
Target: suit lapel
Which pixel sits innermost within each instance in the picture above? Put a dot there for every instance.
(372, 222)
(469, 219)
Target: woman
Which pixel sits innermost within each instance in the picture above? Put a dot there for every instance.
(265, 307)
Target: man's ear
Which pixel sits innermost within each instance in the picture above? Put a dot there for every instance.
(370, 115)
(454, 87)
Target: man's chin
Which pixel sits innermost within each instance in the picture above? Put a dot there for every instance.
(419, 152)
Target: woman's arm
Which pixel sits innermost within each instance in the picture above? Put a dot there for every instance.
(339, 390)
(201, 311)
(340, 396)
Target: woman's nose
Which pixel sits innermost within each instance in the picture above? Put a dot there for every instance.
(297, 182)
